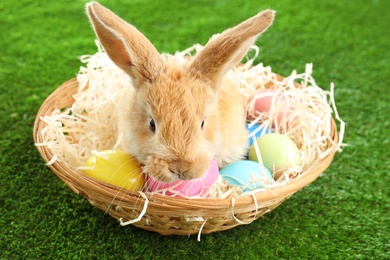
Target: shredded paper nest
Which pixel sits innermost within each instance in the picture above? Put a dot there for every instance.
(74, 133)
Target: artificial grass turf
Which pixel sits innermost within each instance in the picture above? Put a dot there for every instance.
(342, 215)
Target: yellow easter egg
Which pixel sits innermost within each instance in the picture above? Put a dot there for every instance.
(116, 168)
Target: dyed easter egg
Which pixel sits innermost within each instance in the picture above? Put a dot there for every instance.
(271, 100)
(277, 151)
(249, 175)
(256, 131)
(191, 188)
(116, 168)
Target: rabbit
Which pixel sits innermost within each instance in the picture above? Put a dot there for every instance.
(182, 114)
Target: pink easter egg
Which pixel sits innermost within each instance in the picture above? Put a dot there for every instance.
(266, 100)
(191, 188)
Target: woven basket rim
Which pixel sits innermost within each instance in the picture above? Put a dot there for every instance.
(86, 186)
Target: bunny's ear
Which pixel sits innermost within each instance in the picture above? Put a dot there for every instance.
(128, 48)
(226, 50)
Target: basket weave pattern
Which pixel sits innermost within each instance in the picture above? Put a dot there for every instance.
(167, 215)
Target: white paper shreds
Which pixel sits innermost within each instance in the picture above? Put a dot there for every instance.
(72, 133)
(90, 124)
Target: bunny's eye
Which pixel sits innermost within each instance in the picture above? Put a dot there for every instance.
(152, 125)
(202, 124)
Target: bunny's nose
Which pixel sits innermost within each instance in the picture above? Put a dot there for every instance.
(188, 169)
(180, 169)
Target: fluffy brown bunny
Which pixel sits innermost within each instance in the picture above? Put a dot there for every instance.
(180, 115)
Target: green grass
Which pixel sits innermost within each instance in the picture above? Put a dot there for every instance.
(342, 215)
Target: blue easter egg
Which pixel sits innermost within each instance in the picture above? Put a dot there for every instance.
(255, 132)
(249, 175)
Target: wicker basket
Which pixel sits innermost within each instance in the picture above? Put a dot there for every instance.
(167, 215)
